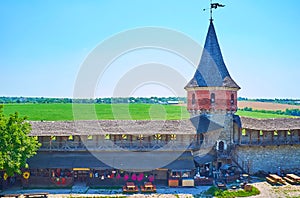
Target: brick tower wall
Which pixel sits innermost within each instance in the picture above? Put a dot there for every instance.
(202, 100)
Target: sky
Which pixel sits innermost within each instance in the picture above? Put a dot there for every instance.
(44, 45)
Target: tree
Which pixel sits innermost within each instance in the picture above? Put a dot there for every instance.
(15, 144)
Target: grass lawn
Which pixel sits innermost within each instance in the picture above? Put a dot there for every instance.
(56, 112)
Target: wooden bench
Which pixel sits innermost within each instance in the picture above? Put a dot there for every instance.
(294, 177)
(271, 180)
(130, 187)
(277, 178)
(289, 180)
(10, 195)
(148, 188)
(40, 194)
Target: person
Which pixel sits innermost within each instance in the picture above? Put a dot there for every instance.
(226, 177)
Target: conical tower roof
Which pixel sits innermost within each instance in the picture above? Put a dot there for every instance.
(212, 71)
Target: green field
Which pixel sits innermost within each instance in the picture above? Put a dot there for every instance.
(98, 111)
(260, 115)
(55, 112)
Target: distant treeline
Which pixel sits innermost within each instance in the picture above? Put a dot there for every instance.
(41, 100)
(276, 100)
(147, 100)
(291, 112)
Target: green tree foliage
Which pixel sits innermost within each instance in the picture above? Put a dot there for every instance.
(15, 144)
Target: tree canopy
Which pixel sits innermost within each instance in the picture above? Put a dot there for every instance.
(15, 144)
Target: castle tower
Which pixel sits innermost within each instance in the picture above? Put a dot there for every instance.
(211, 90)
(212, 103)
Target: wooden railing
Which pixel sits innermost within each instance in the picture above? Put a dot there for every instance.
(268, 142)
(117, 145)
(244, 165)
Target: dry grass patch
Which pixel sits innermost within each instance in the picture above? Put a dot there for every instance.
(266, 105)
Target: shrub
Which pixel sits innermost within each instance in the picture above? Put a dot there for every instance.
(231, 194)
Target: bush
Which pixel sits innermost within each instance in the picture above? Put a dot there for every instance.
(211, 190)
(231, 194)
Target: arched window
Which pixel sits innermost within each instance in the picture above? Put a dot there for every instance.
(89, 137)
(157, 136)
(232, 99)
(173, 137)
(221, 146)
(140, 137)
(70, 138)
(200, 138)
(124, 137)
(212, 98)
(193, 99)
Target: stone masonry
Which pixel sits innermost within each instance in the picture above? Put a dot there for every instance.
(269, 158)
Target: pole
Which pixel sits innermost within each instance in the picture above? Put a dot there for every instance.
(211, 10)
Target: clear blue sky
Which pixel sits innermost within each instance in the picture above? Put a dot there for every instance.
(43, 43)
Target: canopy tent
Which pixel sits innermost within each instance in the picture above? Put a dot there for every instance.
(204, 159)
(134, 161)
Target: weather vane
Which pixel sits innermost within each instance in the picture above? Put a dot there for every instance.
(213, 6)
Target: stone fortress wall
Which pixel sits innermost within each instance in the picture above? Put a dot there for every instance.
(268, 158)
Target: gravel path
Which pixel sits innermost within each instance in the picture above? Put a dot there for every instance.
(131, 196)
(267, 191)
